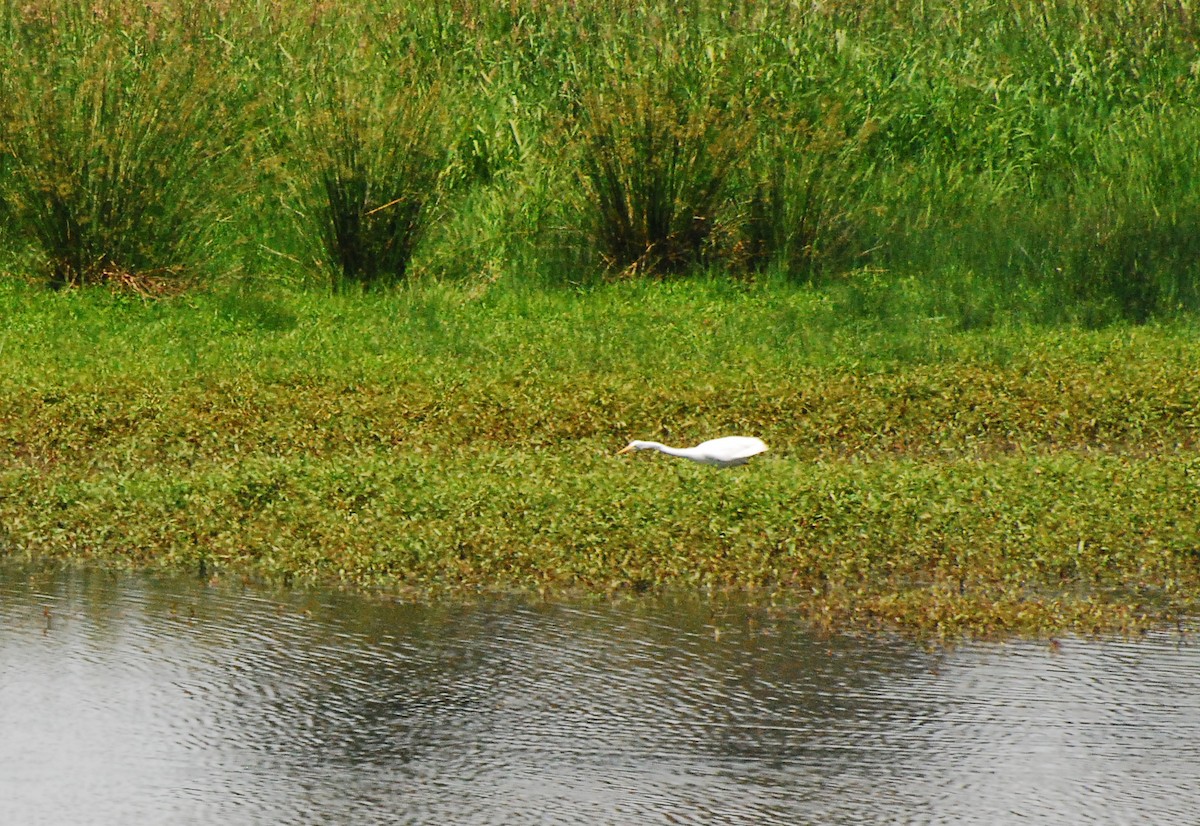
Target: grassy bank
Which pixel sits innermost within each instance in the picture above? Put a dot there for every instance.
(1007, 480)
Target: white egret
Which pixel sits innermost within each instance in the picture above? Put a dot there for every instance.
(725, 452)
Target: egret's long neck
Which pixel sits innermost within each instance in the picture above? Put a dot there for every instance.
(684, 452)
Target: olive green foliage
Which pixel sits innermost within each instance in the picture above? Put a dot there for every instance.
(1017, 480)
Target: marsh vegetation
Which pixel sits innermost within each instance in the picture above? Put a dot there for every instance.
(1034, 159)
(423, 268)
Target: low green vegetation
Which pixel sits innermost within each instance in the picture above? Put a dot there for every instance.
(1013, 480)
(371, 294)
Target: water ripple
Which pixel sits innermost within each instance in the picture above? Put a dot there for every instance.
(126, 699)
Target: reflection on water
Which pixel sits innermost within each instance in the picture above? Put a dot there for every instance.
(128, 700)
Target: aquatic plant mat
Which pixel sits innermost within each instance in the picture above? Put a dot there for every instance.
(1019, 480)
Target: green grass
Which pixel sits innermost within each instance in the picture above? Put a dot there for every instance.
(1040, 154)
(1016, 479)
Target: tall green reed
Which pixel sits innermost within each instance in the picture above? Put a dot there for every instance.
(367, 151)
(1035, 151)
(1133, 228)
(659, 140)
(117, 126)
(805, 209)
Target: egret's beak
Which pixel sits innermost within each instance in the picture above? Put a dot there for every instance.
(626, 449)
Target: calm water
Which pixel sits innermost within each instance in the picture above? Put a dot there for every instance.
(125, 700)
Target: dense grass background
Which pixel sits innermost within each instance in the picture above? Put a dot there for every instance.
(983, 162)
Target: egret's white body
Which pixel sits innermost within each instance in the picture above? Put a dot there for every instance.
(725, 452)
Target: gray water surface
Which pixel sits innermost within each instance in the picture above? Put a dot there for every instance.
(128, 700)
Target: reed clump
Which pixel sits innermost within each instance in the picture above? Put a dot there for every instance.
(659, 141)
(368, 162)
(117, 128)
(805, 211)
